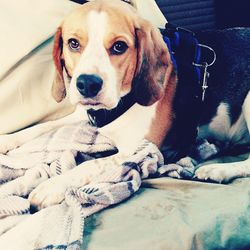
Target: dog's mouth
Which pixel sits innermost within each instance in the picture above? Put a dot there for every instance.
(95, 105)
(92, 105)
(99, 102)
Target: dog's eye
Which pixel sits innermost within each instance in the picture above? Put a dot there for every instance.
(74, 44)
(118, 48)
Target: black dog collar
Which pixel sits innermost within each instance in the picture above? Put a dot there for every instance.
(101, 117)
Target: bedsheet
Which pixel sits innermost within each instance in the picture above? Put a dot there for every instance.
(175, 215)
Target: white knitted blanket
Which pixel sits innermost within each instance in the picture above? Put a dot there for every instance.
(61, 226)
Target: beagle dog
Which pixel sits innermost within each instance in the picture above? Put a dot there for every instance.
(103, 51)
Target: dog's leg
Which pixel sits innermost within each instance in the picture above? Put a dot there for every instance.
(185, 167)
(53, 190)
(110, 169)
(23, 185)
(11, 141)
(225, 172)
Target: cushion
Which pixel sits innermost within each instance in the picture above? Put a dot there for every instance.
(27, 71)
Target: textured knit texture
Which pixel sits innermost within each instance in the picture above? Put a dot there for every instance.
(61, 226)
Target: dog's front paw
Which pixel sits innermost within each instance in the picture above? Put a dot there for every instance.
(48, 193)
(219, 172)
(183, 169)
(7, 143)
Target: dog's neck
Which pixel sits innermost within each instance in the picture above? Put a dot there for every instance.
(103, 117)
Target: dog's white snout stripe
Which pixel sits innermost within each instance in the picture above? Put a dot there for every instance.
(95, 60)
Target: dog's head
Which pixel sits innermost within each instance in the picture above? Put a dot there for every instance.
(103, 51)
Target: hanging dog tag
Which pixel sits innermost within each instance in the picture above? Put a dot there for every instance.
(204, 83)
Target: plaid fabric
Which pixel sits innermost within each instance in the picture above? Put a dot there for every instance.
(61, 226)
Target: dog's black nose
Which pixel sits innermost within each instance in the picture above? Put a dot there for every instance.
(89, 85)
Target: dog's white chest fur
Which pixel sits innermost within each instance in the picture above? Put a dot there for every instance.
(127, 130)
(221, 129)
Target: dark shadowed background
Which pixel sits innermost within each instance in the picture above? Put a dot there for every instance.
(205, 14)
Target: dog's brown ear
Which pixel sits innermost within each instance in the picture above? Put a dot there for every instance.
(153, 64)
(58, 87)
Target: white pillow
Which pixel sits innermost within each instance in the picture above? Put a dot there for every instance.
(25, 24)
(25, 86)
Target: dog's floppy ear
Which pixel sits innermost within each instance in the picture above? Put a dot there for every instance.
(58, 87)
(153, 62)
